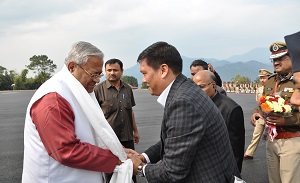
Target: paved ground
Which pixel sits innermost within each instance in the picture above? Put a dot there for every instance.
(148, 116)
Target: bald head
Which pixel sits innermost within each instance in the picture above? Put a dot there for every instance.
(206, 80)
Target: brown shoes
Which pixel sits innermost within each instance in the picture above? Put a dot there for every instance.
(248, 157)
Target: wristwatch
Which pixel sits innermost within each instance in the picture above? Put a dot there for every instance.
(140, 170)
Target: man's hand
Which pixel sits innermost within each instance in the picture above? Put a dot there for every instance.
(275, 120)
(136, 162)
(119, 162)
(254, 117)
(130, 152)
(211, 68)
(136, 137)
(142, 158)
(295, 99)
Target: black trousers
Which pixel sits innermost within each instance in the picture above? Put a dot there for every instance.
(128, 144)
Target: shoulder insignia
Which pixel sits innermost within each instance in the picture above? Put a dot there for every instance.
(272, 75)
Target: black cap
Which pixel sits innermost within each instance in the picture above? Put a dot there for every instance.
(293, 44)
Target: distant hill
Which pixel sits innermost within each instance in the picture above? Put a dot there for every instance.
(135, 72)
(248, 69)
(258, 54)
(227, 69)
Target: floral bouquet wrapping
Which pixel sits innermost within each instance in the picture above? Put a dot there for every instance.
(276, 106)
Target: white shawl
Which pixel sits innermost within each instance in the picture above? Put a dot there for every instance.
(104, 135)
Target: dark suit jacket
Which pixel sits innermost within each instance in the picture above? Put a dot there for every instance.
(234, 119)
(221, 90)
(194, 145)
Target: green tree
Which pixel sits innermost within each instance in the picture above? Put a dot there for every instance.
(2, 69)
(130, 80)
(20, 80)
(40, 79)
(241, 79)
(6, 78)
(23, 83)
(5, 81)
(144, 86)
(12, 74)
(42, 66)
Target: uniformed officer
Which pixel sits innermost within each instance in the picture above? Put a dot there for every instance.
(259, 123)
(283, 153)
(263, 74)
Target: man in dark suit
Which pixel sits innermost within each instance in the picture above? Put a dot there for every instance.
(230, 110)
(199, 65)
(194, 144)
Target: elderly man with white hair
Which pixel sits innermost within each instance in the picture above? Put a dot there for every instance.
(66, 138)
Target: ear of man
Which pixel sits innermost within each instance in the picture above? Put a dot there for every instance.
(164, 69)
(71, 66)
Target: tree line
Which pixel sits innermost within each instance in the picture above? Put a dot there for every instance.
(43, 68)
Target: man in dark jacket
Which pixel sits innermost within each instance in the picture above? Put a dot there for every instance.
(199, 65)
(194, 142)
(230, 110)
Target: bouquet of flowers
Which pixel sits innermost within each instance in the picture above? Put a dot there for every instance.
(276, 106)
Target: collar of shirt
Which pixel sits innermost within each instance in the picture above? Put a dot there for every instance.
(284, 77)
(163, 96)
(215, 94)
(108, 85)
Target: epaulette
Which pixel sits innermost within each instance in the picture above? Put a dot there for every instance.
(274, 74)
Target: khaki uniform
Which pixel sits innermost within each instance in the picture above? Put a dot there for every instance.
(258, 129)
(283, 153)
(260, 123)
(285, 89)
(259, 93)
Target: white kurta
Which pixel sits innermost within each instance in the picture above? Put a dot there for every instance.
(90, 124)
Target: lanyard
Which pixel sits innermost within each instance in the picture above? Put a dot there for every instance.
(276, 86)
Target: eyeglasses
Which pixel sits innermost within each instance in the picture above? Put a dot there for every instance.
(93, 76)
(280, 59)
(205, 85)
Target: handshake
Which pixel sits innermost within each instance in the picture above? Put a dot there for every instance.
(138, 161)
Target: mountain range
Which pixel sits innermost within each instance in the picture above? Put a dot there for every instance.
(246, 65)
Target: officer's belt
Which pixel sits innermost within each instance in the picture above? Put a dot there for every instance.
(287, 135)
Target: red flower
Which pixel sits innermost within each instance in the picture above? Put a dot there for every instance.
(272, 99)
(262, 99)
(283, 109)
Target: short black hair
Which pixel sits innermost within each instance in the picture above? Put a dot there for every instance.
(113, 61)
(199, 62)
(162, 53)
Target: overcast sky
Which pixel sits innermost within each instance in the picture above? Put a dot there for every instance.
(122, 29)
